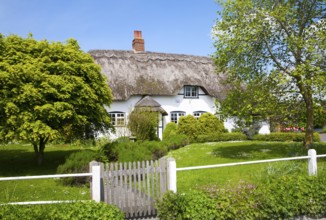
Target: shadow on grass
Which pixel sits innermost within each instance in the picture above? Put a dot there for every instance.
(21, 162)
(266, 150)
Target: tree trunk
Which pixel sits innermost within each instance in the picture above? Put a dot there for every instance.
(39, 151)
(309, 121)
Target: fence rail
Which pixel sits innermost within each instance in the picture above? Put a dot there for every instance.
(45, 176)
(312, 166)
(95, 188)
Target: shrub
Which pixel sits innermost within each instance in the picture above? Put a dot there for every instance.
(188, 125)
(279, 136)
(78, 163)
(209, 123)
(176, 141)
(170, 130)
(68, 211)
(143, 124)
(216, 137)
(285, 197)
(191, 206)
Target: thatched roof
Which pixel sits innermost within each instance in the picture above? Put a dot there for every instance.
(148, 102)
(148, 73)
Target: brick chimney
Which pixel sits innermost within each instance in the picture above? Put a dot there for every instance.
(138, 44)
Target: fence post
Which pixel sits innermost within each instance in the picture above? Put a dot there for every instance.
(96, 183)
(172, 175)
(312, 162)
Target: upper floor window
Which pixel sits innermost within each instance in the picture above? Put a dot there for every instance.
(191, 91)
(197, 114)
(176, 115)
(117, 118)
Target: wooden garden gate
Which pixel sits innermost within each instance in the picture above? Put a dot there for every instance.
(135, 187)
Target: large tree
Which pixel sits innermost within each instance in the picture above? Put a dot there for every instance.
(283, 40)
(50, 90)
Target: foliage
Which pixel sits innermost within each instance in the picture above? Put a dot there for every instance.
(216, 137)
(281, 198)
(50, 90)
(289, 136)
(126, 151)
(278, 43)
(188, 125)
(191, 206)
(170, 130)
(176, 141)
(78, 163)
(209, 123)
(143, 124)
(74, 211)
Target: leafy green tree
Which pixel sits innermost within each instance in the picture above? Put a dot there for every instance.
(282, 40)
(209, 123)
(50, 90)
(143, 123)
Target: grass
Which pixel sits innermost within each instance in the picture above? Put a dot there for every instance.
(229, 152)
(19, 160)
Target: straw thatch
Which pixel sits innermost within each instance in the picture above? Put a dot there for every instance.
(148, 73)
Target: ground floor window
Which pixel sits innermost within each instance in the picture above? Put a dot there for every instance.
(176, 115)
(118, 118)
(197, 114)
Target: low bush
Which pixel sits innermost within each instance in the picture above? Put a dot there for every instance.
(176, 141)
(288, 136)
(281, 198)
(216, 137)
(190, 206)
(209, 123)
(170, 130)
(67, 211)
(188, 125)
(126, 151)
(78, 163)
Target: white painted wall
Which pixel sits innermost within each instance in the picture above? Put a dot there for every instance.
(169, 104)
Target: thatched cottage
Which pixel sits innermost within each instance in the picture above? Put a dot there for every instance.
(172, 84)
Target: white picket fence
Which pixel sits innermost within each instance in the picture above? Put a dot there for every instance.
(172, 170)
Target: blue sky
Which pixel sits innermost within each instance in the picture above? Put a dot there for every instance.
(169, 26)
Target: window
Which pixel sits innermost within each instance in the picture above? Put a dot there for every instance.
(191, 92)
(176, 115)
(198, 114)
(117, 118)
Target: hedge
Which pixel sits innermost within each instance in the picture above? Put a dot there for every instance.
(216, 137)
(64, 211)
(285, 136)
(281, 198)
(143, 150)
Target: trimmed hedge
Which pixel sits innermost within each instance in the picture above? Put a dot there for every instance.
(69, 211)
(217, 137)
(281, 198)
(282, 136)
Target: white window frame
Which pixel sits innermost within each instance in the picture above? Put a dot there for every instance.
(191, 92)
(197, 114)
(118, 119)
(175, 115)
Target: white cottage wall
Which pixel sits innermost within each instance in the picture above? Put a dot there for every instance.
(170, 104)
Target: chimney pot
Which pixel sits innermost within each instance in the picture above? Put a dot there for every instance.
(138, 44)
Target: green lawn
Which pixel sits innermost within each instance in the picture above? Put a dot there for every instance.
(229, 152)
(19, 160)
